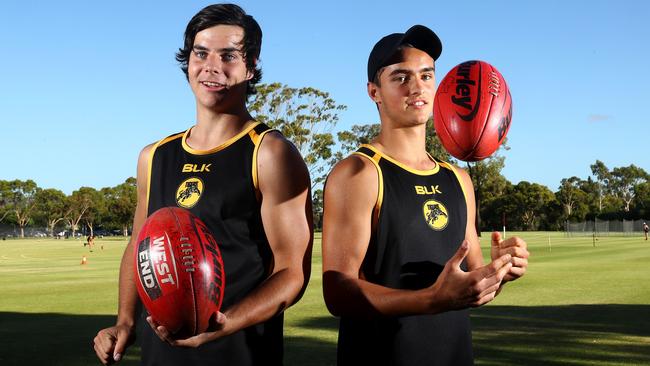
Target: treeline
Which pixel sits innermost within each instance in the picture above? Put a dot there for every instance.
(308, 117)
(616, 194)
(23, 203)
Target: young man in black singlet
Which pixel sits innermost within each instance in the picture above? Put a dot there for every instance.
(247, 183)
(401, 257)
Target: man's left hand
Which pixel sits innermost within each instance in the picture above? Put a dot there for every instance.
(216, 331)
(518, 250)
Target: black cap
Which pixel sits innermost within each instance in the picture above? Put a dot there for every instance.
(419, 36)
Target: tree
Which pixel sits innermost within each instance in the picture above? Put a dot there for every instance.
(121, 202)
(624, 180)
(5, 192)
(572, 198)
(356, 136)
(50, 208)
(487, 180)
(526, 204)
(21, 198)
(500, 208)
(433, 144)
(642, 199)
(78, 203)
(494, 207)
(603, 176)
(306, 116)
(591, 189)
(97, 208)
(488, 183)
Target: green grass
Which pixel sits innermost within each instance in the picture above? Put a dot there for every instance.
(577, 305)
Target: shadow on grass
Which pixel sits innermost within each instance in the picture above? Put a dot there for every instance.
(320, 322)
(53, 339)
(308, 351)
(312, 350)
(562, 335)
(503, 335)
(607, 334)
(28, 339)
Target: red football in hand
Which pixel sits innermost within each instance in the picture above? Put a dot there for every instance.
(472, 110)
(179, 271)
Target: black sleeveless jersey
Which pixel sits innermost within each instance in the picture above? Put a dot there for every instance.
(220, 187)
(418, 224)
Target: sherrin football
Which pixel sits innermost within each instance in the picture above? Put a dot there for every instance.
(179, 271)
(472, 110)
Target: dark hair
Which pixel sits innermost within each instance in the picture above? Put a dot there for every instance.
(227, 14)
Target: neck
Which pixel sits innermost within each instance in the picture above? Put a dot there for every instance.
(405, 144)
(214, 128)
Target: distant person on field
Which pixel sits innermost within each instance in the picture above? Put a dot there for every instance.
(645, 230)
(91, 241)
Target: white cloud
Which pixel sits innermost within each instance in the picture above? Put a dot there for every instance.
(599, 117)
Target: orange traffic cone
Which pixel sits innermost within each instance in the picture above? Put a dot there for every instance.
(84, 260)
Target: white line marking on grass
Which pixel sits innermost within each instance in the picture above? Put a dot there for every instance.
(34, 258)
(26, 257)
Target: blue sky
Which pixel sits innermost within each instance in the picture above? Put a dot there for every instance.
(85, 85)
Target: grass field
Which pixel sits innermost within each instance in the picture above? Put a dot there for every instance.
(578, 305)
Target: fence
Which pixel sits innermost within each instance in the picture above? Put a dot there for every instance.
(13, 231)
(605, 228)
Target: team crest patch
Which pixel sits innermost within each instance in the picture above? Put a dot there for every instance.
(189, 192)
(435, 214)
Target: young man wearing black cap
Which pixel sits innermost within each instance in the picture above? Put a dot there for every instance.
(401, 258)
(249, 186)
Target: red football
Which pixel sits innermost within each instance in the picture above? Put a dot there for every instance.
(179, 271)
(472, 110)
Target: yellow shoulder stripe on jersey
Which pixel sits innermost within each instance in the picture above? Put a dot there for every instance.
(257, 141)
(458, 177)
(227, 143)
(380, 180)
(150, 163)
(434, 170)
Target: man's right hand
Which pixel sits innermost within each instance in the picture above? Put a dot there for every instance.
(110, 343)
(456, 289)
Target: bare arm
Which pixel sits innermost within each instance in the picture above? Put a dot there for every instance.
(350, 196)
(110, 343)
(287, 218)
